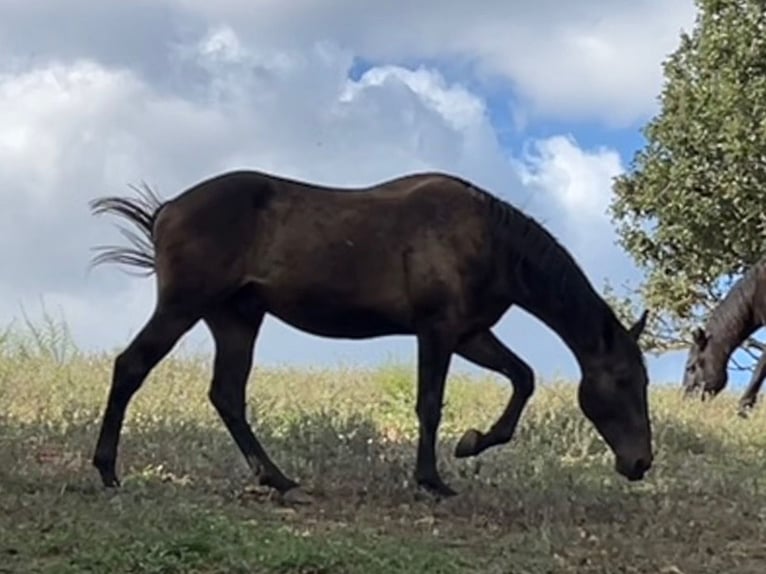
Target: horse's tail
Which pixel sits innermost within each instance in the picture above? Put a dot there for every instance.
(141, 212)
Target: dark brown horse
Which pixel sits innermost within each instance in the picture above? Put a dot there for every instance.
(427, 255)
(739, 314)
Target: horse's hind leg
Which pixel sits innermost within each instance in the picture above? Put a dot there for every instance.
(750, 396)
(485, 350)
(234, 337)
(131, 367)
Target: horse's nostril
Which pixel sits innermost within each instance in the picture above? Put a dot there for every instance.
(641, 465)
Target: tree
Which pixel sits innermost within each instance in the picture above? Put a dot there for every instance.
(691, 210)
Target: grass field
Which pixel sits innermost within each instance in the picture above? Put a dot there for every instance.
(549, 501)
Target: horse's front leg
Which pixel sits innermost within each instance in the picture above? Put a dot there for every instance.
(434, 354)
(750, 396)
(485, 350)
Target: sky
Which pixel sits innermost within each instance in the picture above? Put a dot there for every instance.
(541, 103)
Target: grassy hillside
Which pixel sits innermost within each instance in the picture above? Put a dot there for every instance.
(548, 502)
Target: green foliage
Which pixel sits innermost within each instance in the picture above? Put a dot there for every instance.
(691, 209)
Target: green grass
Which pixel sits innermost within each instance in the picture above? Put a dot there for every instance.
(549, 501)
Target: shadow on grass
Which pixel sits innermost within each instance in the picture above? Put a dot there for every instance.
(553, 470)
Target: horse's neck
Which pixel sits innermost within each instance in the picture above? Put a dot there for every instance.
(544, 279)
(728, 328)
(579, 320)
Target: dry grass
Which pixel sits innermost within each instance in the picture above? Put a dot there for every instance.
(548, 502)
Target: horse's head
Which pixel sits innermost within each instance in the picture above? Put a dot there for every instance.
(700, 372)
(613, 395)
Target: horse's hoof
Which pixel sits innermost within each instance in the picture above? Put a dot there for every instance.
(280, 483)
(109, 479)
(744, 411)
(469, 444)
(436, 487)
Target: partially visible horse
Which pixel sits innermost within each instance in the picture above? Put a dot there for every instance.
(736, 317)
(428, 255)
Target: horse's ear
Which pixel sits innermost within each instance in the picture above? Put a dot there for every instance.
(638, 327)
(700, 338)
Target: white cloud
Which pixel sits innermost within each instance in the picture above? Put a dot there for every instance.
(459, 108)
(579, 179)
(591, 59)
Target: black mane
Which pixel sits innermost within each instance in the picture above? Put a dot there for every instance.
(561, 286)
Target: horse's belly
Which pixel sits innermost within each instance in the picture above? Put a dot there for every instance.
(342, 312)
(338, 322)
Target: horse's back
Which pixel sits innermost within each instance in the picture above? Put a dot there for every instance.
(259, 183)
(245, 208)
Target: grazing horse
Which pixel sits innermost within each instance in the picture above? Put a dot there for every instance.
(428, 255)
(739, 314)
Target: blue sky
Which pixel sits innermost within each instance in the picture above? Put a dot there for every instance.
(541, 103)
